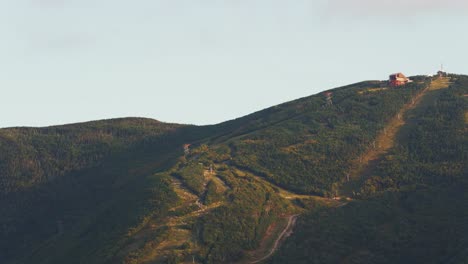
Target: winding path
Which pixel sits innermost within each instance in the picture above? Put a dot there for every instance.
(287, 231)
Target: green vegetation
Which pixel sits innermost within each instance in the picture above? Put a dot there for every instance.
(415, 207)
(90, 181)
(32, 156)
(93, 213)
(122, 191)
(395, 227)
(240, 224)
(212, 194)
(315, 146)
(227, 215)
(192, 175)
(433, 149)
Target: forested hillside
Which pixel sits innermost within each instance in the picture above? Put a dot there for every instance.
(314, 146)
(31, 156)
(414, 206)
(60, 180)
(124, 191)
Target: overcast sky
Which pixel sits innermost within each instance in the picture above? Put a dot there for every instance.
(207, 61)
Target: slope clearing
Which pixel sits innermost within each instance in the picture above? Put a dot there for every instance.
(413, 207)
(365, 164)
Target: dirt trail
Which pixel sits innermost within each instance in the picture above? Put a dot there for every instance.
(287, 231)
(181, 220)
(386, 139)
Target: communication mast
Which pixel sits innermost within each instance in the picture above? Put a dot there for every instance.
(441, 73)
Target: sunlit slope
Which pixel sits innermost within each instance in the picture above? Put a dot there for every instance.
(123, 190)
(412, 205)
(223, 174)
(307, 145)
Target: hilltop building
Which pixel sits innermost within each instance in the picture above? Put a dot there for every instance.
(398, 79)
(441, 74)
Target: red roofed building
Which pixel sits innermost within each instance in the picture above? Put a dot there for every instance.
(398, 79)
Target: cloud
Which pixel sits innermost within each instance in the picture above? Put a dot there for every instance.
(49, 3)
(60, 43)
(395, 7)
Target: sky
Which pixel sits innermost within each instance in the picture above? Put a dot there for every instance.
(207, 61)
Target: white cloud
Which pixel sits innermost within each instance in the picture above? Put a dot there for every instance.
(395, 7)
(48, 3)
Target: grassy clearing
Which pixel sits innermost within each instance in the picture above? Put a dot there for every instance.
(440, 83)
(373, 90)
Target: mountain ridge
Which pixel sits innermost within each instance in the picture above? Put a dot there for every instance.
(242, 176)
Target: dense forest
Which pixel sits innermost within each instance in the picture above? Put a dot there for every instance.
(413, 208)
(31, 156)
(314, 147)
(124, 190)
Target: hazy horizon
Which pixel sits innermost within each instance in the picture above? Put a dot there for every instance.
(205, 62)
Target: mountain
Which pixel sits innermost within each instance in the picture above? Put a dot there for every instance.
(412, 207)
(367, 173)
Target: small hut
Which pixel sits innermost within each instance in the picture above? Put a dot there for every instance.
(398, 79)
